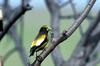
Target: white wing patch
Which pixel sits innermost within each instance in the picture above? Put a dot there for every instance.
(40, 40)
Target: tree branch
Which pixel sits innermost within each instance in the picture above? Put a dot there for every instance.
(19, 45)
(19, 12)
(55, 25)
(65, 35)
(94, 62)
(1, 61)
(83, 50)
(75, 14)
(73, 17)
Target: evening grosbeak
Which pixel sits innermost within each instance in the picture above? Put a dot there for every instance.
(40, 41)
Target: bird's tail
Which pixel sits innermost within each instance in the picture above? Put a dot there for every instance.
(32, 50)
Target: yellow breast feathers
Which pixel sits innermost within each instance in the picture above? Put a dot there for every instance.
(38, 41)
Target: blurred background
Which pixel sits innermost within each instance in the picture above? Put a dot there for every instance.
(27, 26)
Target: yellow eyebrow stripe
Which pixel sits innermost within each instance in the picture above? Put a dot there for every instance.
(38, 41)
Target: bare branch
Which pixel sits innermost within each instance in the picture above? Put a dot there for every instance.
(97, 60)
(55, 25)
(21, 20)
(96, 50)
(75, 14)
(85, 47)
(76, 24)
(73, 17)
(65, 35)
(94, 62)
(19, 45)
(1, 61)
(73, 8)
(19, 12)
(57, 57)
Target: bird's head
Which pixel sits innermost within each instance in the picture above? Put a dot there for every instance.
(45, 28)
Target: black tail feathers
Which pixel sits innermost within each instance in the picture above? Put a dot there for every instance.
(32, 53)
(32, 50)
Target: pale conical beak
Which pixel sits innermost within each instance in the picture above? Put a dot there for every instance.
(49, 29)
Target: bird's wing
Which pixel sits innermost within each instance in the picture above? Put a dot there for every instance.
(38, 41)
(33, 43)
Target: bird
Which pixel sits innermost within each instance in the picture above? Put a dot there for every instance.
(40, 41)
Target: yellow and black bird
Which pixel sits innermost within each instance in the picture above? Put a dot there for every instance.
(40, 41)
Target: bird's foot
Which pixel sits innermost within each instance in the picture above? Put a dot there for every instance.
(44, 49)
(39, 58)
